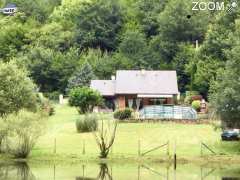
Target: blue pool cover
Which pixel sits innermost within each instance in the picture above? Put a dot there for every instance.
(168, 112)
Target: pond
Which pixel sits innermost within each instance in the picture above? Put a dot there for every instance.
(23, 171)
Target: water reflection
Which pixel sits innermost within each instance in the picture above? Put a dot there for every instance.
(104, 174)
(16, 171)
(23, 171)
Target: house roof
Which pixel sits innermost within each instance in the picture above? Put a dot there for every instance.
(105, 87)
(139, 82)
(146, 82)
(10, 5)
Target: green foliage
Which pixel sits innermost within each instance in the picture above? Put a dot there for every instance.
(54, 38)
(87, 123)
(85, 99)
(23, 129)
(97, 22)
(123, 114)
(37, 9)
(49, 68)
(225, 95)
(45, 105)
(196, 105)
(82, 77)
(184, 56)
(134, 47)
(53, 96)
(16, 89)
(12, 38)
(189, 94)
(147, 12)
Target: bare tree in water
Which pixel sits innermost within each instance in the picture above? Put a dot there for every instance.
(105, 137)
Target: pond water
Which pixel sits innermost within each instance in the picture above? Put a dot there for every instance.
(23, 171)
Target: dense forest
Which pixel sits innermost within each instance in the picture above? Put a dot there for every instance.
(55, 38)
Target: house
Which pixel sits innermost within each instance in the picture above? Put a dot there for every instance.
(9, 9)
(137, 89)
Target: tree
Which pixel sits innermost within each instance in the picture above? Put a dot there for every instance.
(105, 137)
(224, 92)
(17, 90)
(82, 77)
(135, 48)
(85, 99)
(105, 64)
(12, 39)
(37, 9)
(183, 58)
(51, 69)
(175, 28)
(54, 36)
(147, 12)
(98, 24)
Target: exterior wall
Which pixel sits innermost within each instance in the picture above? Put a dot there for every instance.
(170, 101)
(145, 101)
(121, 102)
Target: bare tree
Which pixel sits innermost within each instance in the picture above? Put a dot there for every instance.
(104, 173)
(105, 137)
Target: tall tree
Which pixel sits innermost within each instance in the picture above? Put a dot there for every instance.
(225, 94)
(82, 77)
(147, 12)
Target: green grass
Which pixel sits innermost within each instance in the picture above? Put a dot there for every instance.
(69, 143)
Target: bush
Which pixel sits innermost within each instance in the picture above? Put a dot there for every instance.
(85, 99)
(123, 114)
(45, 105)
(88, 123)
(196, 105)
(24, 129)
(17, 90)
(54, 96)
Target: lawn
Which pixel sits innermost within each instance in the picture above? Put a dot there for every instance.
(69, 143)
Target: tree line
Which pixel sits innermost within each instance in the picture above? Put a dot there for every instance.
(55, 39)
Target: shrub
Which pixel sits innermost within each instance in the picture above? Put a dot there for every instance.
(45, 105)
(54, 96)
(88, 123)
(85, 99)
(196, 105)
(123, 114)
(24, 130)
(17, 90)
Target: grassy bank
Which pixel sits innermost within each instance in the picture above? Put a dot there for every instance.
(188, 138)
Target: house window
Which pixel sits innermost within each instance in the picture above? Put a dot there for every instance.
(158, 101)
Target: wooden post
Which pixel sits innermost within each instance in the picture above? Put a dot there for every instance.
(167, 173)
(175, 156)
(168, 148)
(139, 147)
(55, 146)
(138, 172)
(54, 172)
(83, 150)
(201, 150)
(83, 171)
